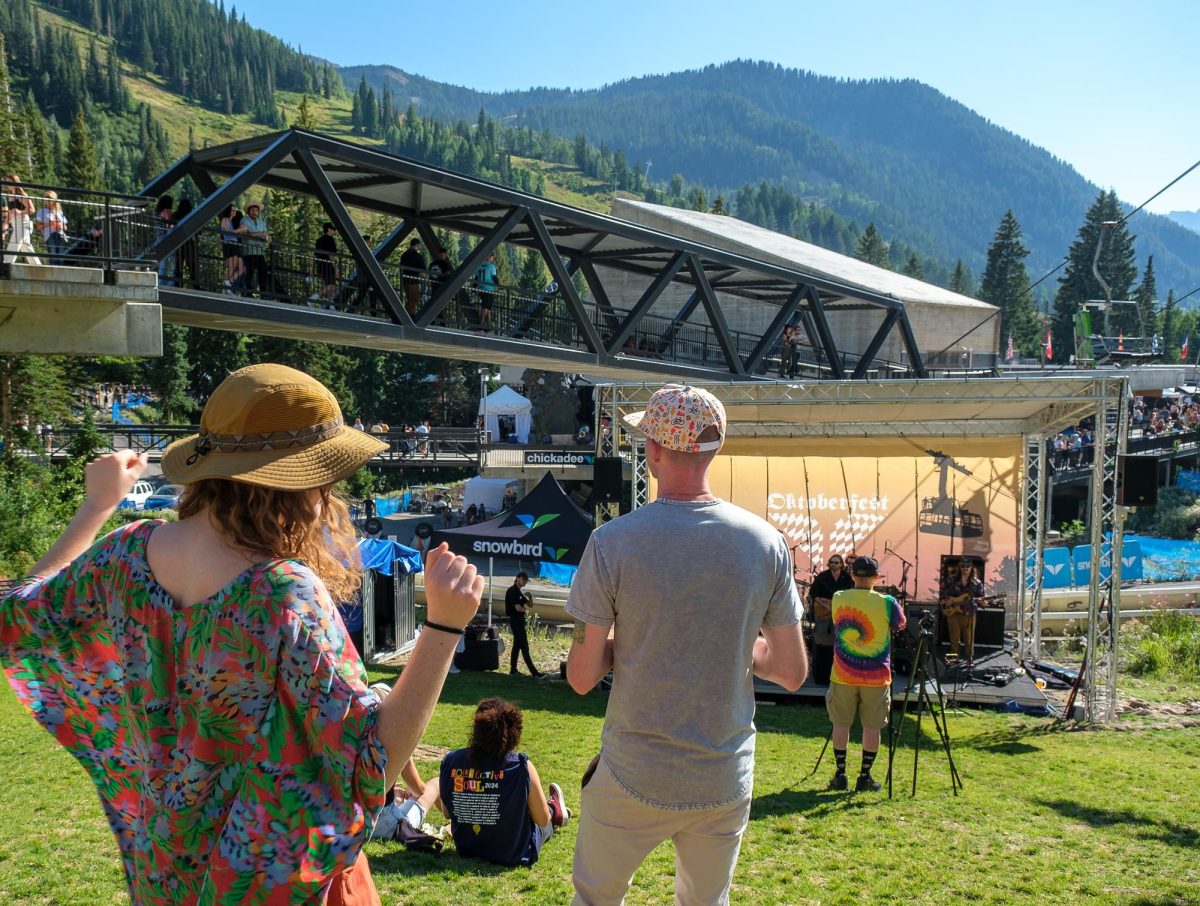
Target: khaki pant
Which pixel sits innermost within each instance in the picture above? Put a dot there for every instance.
(962, 634)
(616, 832)
(412, 297)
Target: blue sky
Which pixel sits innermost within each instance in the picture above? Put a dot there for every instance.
(1109, 87)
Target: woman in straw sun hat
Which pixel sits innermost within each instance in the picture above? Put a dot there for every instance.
(199, 671)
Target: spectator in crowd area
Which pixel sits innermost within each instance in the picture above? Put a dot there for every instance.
(423, 438)
(1076, 449)
(470, 514)
(491, 793)
(358, 425)
(255, 239)
(18, 222)
(412, 265)
(164, 220)
(187, 260)
(325, 264)
(231, 247)
(516, 602)
(259, 553)
(486, 284)
(695, 595)
(53, 223)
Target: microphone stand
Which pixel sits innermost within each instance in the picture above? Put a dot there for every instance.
(905, 566)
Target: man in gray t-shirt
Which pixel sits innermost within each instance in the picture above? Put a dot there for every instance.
(672, 598)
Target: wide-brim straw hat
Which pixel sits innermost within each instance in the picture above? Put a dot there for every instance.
(273, 426)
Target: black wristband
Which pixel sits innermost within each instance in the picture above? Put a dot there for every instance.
(450, 629)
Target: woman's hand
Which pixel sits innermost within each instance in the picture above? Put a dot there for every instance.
(453, 589)
(110, 477)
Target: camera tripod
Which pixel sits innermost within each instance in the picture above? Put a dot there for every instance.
(924, 668)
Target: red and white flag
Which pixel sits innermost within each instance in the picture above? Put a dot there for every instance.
(1183, 349)
(1049, 347)
(1009, 353)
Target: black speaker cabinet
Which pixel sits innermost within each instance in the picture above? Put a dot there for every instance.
(606, 479)
(1137, 480)
(989, 627)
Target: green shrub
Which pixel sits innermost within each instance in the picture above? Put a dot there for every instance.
(1163, 646)
(1176, 515)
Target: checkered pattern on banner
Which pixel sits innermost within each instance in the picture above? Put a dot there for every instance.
(804, 534)
(807, 535)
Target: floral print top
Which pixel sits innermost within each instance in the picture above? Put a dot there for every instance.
(232, 742)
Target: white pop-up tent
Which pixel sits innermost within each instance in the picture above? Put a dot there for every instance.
(506, 401)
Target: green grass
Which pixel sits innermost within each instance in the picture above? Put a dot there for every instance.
(1047, 815)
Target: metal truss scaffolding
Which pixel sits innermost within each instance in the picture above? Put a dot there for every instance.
(558, 329)
(1027, 409)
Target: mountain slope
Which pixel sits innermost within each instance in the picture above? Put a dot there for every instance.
(924, 167)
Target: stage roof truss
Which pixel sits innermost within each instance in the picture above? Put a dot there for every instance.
(1028, 410)
(344, 176)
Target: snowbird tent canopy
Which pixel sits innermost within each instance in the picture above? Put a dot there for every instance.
(506, 401)
(543, 525)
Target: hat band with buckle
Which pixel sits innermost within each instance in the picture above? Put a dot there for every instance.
(206, 441)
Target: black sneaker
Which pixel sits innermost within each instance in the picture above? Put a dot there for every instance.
(839, 782)
(866, 784)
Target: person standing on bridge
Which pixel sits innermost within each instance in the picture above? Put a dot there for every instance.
(200, 671)
(255, 238)
(18, 221)
(412, 267)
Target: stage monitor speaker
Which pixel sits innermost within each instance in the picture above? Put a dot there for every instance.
(1137, 480)
(607, 479)
(989, 627)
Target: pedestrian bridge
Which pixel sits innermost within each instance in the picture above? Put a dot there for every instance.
(602, 312)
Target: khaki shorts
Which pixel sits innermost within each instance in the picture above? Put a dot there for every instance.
(872, 703)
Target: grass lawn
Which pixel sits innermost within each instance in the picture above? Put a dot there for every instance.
(1047, 816)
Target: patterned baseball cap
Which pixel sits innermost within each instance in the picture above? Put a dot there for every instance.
(676, 416)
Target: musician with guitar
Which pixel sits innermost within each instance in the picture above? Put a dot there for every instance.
(962, 594)
(834, 579)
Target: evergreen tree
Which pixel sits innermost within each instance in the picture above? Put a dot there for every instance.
(12, 158)
(1078, 285)
(912, 268)
(168, 377)
(213, 355)
(871, 248)
(1170, 330)
(79, 170)
(961, 281)
(1005, 284)
(533, 276)
(1146, 297)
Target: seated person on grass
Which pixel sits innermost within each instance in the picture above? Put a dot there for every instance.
(491, 793)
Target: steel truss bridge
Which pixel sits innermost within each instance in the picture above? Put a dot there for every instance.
(601, 332)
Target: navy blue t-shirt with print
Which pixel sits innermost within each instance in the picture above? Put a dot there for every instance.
(488, 804)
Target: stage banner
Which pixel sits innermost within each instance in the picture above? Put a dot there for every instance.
(1056, 567)
(901, 500)
(1082, 554)
(1133, 567)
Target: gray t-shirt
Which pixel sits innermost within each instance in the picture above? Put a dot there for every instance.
(688, 586)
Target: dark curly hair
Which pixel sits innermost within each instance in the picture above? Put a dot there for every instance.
(496, 730)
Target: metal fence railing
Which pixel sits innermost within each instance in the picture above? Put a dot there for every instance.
(55, 225)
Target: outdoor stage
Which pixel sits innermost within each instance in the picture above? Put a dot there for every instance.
(918, 475)
(991, 683)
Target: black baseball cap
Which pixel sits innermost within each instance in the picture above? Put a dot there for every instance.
(865, 567)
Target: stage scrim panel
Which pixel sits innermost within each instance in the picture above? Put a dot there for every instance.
(919, 497)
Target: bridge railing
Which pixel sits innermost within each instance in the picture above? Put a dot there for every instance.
(62, 225)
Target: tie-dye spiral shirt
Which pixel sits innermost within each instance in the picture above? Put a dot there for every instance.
(232, 741)
(863, 623)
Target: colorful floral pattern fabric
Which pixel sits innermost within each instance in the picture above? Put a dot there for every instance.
(232, 742)
(863, 623)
